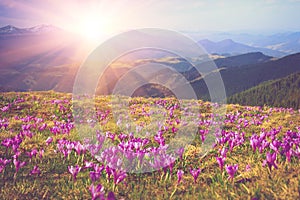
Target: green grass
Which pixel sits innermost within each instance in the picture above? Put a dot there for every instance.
(55, 182)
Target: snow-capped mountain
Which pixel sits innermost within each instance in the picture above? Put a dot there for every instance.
(9, 29)
(40, 29)
(44, 28)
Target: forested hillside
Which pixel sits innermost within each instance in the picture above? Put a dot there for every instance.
(282, 92)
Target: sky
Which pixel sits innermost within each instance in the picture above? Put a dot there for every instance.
(111, 16)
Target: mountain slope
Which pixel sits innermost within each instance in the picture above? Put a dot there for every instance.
(238, 79)
(287, 42)
(241, 78)
(242, 60)
(284, 42)
(50, 62)
(230, 47)
(284, 92)
(10, 30)
(41, 60)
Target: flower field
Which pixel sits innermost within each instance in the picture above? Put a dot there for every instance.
(47, 152)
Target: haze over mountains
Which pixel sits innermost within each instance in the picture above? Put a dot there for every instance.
(10, 30)
(228, 47)
(47, 58)
(285, 42)
(240, 78)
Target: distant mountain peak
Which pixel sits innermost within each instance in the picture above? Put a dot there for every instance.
(230, 47)
(8, 29)
(39, 29)
(43, 28)
(227, 41)
(9, 26)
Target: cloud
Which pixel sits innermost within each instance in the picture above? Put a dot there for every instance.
(8, 3)
(198, 4)
(270, 1)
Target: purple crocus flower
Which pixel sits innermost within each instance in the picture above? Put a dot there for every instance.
(180, 152)
(203, 134)
(35, 170)
(69, 145)
(49, 140)
(174, 129)
(55, 130)
(119, 176)
(88, 164)
(97, 192)
(100, 138)
(4, 161)
(160, 139)
(95, 175)
(5, 108)
(32, 153)
(18, 164)
(41, 153)
(74, 171)
(254, 142)
(4, 123)
(221, 161)
(223, 152)
(275, 144)
(79, 148)
(140, 155)
(111, 196)
(110, 135)
(248, 168)
(108, 172)
(179, 175)
(264, 144)
(270, 160)
(231, 170)
(289, 154)
(42, 127)
(171, 166)
(7, 142)
(195, 173)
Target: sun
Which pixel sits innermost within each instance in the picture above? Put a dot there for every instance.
(94, 28)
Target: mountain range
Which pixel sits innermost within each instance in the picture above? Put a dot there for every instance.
(228, 47)
(10, 30)
(47, 58)
(284, 42)
(241, 78)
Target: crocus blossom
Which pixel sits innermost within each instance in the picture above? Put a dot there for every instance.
(49, 140)
(231, 170)
(111, 196)
(270, 160)
(179, 175)
(221, 161)
(18, 164)
(119, 176)
(35, 170)
(195, 173)
(97, 192)
(74, 171)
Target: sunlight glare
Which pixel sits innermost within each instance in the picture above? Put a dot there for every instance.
(94, 28)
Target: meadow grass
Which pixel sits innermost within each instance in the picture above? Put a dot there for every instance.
(253, 179)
